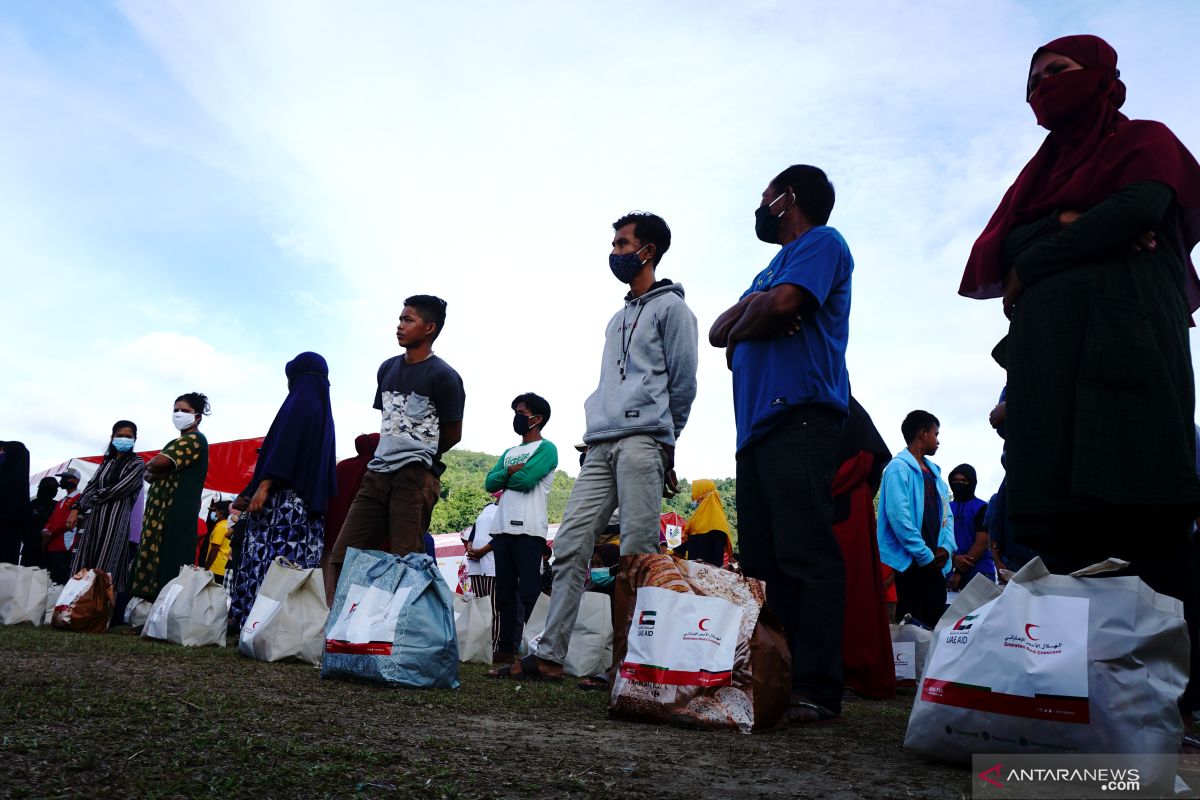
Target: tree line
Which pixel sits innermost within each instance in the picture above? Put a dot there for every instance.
(463, 496)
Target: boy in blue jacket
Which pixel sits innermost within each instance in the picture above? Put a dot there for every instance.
(916, 528)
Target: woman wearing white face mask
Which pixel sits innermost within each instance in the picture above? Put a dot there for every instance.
(105, 506)
(176, 478)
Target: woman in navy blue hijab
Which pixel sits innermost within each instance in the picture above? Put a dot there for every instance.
(292, 485)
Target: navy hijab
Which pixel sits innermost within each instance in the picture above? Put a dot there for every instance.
(299, 447)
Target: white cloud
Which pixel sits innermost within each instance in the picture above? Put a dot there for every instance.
(278, 176)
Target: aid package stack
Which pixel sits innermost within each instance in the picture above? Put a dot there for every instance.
(696, 647)
(1066, 664)
(191, 610)
(392, 623)
(86, 603)
(288, 617)
(23, 594)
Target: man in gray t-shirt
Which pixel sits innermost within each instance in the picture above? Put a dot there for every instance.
(421, 399)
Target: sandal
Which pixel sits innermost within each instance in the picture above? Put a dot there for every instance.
(596, 683)
(805, 712)
(526, 669)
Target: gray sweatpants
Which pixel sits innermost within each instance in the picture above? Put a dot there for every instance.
(628, 472)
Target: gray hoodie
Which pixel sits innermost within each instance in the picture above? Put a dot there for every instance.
(655, 335)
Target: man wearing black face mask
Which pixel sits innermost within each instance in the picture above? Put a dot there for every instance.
(525, 474)
(785, 341)
(634, 418)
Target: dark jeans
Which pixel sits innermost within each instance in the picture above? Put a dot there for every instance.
(518, 584)
(921, 591)
(785, 529)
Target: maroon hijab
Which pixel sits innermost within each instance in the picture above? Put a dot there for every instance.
(1092, 151)
(350, 474)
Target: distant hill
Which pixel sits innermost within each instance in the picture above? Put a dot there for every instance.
(463, 496)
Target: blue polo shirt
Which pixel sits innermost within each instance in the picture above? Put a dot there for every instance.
(771, 376)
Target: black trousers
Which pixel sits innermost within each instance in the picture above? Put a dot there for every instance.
(59, 565)
(785, 538)
(518, 584)
(921, 591)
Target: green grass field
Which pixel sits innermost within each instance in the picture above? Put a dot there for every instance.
(119, 716)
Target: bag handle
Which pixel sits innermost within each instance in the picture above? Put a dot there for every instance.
(1107, 565)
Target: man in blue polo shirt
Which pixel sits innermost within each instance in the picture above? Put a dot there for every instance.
(785, 341)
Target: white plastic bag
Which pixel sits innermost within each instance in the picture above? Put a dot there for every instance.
(191, 610)
(288, 617)
(910, 648)
(23, 594)
(1053, 664)
(590, 651)
(473, 626)
(137, 611)
(52, 593)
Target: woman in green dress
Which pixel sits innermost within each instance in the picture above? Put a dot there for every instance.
(1090, 249)
(176, 477)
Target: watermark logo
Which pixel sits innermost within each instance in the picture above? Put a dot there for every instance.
(1070, 776)
(992, 775)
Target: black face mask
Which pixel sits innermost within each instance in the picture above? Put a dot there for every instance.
(962, 491)
(767, 223)
(521, 424)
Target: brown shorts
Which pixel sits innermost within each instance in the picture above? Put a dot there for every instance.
(390, 512)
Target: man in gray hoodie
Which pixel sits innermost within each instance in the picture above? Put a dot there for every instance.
(647, 384)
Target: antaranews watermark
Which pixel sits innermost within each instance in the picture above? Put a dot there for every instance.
(1085, 776)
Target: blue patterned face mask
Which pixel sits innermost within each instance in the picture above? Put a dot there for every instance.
(122, 444)
(602, 576)
(627, 265)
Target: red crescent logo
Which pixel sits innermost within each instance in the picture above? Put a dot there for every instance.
(701, 625)
(1028, 632)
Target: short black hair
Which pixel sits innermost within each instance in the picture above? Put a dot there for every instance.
(124, 423)
(431, 308)
(814, 192)
(197, 401)
(915, 422)
(535, 403)
(649, 229)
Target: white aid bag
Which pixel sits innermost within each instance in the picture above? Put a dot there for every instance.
(473, 626)
(23, 593)
(137, 611)
(910, 648)
(1053, 664)
(590, 651)
(288, 617)
(52, 593)
(191, 610)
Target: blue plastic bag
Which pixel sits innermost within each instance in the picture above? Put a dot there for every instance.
(392, 623)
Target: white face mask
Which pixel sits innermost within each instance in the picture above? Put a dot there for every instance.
(183, 419)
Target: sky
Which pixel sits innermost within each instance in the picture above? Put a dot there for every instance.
(193, 193)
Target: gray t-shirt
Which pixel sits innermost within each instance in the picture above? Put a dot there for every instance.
(415, 399)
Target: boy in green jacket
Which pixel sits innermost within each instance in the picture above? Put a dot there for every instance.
(525, 474)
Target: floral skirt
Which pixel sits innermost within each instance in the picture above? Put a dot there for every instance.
(284, 527)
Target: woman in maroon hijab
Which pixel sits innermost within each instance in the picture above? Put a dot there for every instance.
(349, 477)
(1090, 249)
